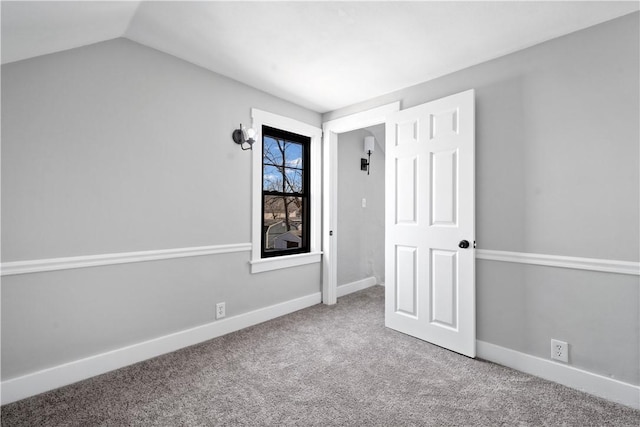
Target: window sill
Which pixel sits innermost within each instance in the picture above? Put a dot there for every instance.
(276, 263)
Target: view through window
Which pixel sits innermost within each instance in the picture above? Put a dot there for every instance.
(285, 192)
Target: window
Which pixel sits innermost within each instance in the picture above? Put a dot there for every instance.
(291, 178)
(285, 193)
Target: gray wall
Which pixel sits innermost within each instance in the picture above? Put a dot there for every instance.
(557, 161)
(360, 231)
(116, 147)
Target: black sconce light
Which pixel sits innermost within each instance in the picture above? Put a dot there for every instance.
(242, 136)
(369, 145)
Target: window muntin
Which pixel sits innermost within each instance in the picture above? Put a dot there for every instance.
(285, 193)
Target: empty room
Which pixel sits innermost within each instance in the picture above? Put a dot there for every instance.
(320, 213)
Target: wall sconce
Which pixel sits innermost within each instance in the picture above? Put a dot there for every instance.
(242, 136)
(369, 146)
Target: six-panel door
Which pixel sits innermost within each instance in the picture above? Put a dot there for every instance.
(430, 191)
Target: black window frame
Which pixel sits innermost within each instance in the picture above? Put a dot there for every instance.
(305, 142)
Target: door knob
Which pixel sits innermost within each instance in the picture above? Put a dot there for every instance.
(464, 244)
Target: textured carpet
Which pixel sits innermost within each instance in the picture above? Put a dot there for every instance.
(321, 366)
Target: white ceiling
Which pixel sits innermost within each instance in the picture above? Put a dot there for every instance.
(321, 55)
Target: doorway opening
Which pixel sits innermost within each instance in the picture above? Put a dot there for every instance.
(330, 232)
(360, 209)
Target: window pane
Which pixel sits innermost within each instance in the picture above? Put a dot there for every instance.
(293, 181)
(283, 223)
(272, 179)
(293, 155)
(272, 151)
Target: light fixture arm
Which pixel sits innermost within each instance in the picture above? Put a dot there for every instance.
(364, 163)
(242, 136)
(369, 145)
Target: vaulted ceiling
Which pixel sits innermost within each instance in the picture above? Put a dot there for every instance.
(321, 55)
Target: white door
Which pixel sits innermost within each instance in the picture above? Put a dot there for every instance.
(430, 214)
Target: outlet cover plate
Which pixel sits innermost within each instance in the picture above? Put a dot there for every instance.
(560, 351)
(220, 310)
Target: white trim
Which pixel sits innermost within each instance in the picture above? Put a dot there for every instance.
(268, 264)
(259, 118)
(363, 119)
(53, 264)
(588, 382)
(603, 265)
(358, 285)
(331, 130)
(68, 373)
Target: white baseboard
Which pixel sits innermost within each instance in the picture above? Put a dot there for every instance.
(68, 373)
(356, 286)
(588, 382)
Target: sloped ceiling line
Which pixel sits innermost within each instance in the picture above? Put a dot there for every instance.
(320, 55)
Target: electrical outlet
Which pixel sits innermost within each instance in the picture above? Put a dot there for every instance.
(560, 351)
(364, 202)
(220, 310)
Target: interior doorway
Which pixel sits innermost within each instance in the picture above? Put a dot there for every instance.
(330, 232)
(360, 209)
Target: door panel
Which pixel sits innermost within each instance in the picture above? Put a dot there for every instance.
(443, 288)
(444, 188)
(406, 190)
(406, 132)
(407, 280)
(430, 192)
